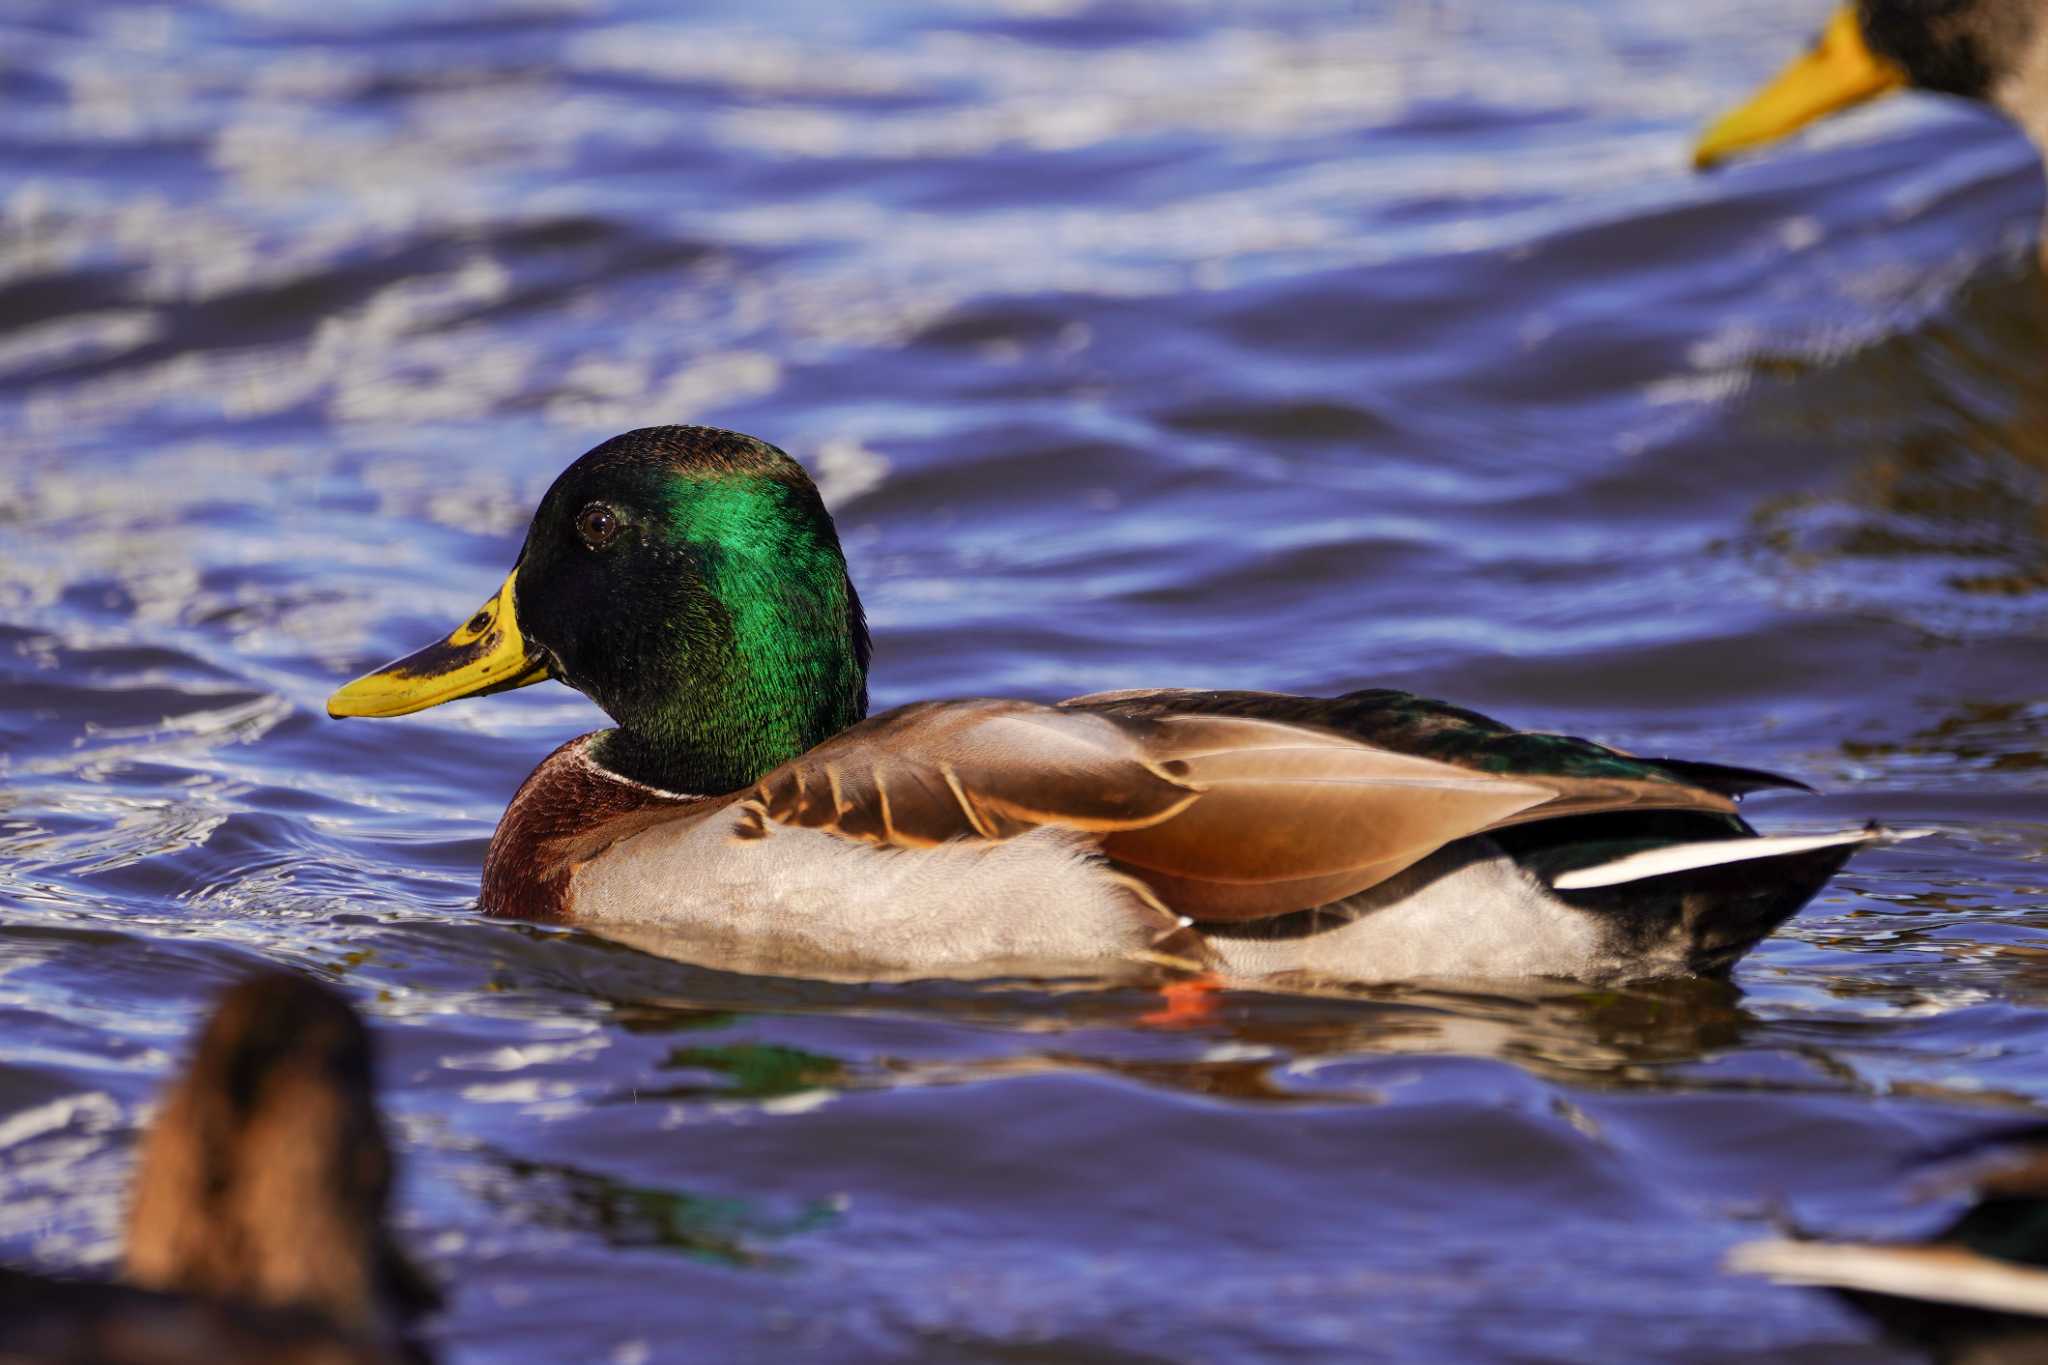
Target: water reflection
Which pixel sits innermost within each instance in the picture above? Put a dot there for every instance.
(1247, 1045)
(561, 1196)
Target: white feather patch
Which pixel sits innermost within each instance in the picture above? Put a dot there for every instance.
(1940, 1274)
(1658, 862)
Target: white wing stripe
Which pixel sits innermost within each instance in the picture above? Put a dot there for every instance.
(1658, 862)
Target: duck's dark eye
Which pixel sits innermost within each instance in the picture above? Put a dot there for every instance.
(597, 524)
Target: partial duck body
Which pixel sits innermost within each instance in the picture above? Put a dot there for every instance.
(1975, 1293)
(744, 813)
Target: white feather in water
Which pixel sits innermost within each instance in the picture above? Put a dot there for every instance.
(1938, 1274)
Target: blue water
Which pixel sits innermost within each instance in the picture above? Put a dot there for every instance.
(1248, 345)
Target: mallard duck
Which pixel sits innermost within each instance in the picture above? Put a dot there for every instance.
(1976, 1291)
(256, 1227)
(690, 582)
(1995, 51)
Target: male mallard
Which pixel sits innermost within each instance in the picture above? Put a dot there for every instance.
(256, 1229)
(689, 581)
(1977, 1291)
(1990, 50)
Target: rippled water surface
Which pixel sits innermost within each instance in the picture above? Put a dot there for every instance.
(1264, 345)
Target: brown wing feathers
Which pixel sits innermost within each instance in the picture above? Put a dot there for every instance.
(924, 774)
(1221, 815)
(1291, 817)
(1224, 817)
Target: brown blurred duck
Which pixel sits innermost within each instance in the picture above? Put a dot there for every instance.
(1995, 51)
(690, 582)
(256, 1228)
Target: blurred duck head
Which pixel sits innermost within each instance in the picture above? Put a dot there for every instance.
(1995, 51)
(265, 1176)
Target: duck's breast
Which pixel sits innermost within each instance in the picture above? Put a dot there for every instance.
(737, 892)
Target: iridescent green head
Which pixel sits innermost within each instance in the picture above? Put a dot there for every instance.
(687, 580)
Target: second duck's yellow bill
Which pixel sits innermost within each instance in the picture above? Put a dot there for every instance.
(485, 654)
(1840, 71)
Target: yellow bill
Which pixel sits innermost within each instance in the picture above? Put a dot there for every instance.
(1840, 71)
(486, 654)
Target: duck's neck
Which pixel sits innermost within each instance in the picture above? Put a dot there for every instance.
(770, 662)
(2021, 90)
